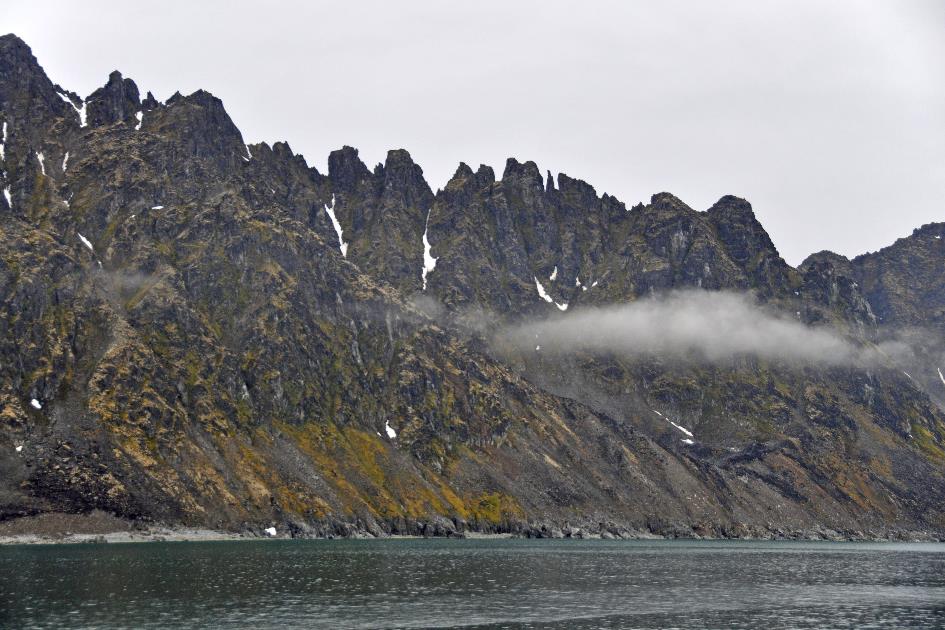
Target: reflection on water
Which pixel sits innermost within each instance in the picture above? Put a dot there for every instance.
(479, 583)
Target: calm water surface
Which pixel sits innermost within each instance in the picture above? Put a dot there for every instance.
(477, 583)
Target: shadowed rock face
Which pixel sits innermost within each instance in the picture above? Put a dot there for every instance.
(116, 101)
(200, 351)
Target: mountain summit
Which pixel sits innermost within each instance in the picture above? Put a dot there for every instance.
(198, 332)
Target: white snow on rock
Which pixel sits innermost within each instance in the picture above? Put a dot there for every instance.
(270, 531)
(390, 430)
(36, 404)
(940, 375)
(157, 207)
(547, 298)
(537, 348)
(42, 161)
(688, 441)
(249, 154)
(541, 291)
(85, 242)
(19, 448)
(577, 281)
(140, 117)
(3, 155)
(429, 262)
(683, 429)
(6, 193)
(909, 375)
(65, 162)
(334, 221)
(81, 111)
(554, 274)
(594, 284)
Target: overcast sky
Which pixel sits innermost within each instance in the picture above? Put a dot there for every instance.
(828, 116)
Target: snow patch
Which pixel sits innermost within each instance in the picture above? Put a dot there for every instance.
(541, 291)
(594, 284)
(81, 111)
(683, 429)
(334, 221)
(940, 375)
(390, 430)
(19, 448)
(429, 262)
(65, 162)
(85, 242)
(157, 207)
(688, 441)
(140, 117)
(6, 193)
(249, 154)
(537, 348)
(554, 274)
(577, 281)
(3, 155)
(547, 298)
(42, 161)
(36, 404)
(270, 531)
(909, 375)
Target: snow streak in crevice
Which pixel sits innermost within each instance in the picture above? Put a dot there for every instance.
(334, 221)
(429, 262)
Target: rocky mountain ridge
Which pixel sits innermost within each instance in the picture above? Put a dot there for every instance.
(200, 332)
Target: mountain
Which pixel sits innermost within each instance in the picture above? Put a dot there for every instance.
(196, 331)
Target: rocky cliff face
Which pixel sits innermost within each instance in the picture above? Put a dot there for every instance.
(202, 332)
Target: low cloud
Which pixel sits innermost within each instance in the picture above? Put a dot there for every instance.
(696, 326)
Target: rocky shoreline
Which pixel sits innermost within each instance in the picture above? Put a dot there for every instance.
(99, 527)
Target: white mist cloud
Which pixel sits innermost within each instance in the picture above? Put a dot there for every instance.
(691, 326)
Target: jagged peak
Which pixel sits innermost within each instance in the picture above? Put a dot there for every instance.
(669, 201)
(281, 148)
(579, 187)
(485, 174)
(345, 168)
(549, 183)
(402, 174)
(149, 102)
(464, 176)
(521, 170)
(826, 260)
(199, 97)
(731, 204)
(115, 101)
(462, 172)
(22, 79)
(398, 158)
(11, 43)
(934, 232)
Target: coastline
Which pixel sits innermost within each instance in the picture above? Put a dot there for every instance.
(101, 528)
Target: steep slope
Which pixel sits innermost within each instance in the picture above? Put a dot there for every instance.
(203, 332)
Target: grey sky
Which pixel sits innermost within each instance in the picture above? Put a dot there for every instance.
(828, 116)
